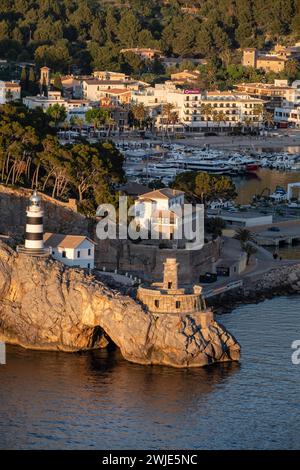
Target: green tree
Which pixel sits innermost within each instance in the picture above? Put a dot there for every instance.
(57, 84)
(250, 250)
(57, 113)
(98, 117)
(244, 235)
(140, 113)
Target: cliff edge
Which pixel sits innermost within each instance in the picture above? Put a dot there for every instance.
(45, 305)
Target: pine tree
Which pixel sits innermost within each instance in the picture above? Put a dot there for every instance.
(57, 84)
(23, 79)
(32, 85)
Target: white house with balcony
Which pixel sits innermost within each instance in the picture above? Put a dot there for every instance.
(164, 214)
(72, 250)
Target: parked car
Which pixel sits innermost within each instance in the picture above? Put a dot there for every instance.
(208, 277)
(274, 229)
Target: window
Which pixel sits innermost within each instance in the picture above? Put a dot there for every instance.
(78, 254)
(156, 303)
(63, 254)
(169, 285)
(177, 303)
(89, 252)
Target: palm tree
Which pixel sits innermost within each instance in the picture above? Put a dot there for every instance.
(243, 235)
(247, 121)
(268, 118)
(258, 112)
(250, 250)
(221, 116)
(174, 119)
(167, 111)
(206, 111)
(139, 112)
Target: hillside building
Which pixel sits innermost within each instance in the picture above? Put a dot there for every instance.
(71, 250)
(9, 91)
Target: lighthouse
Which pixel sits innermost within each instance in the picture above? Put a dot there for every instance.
(34, 232)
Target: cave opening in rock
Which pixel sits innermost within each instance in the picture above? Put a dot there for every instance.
(100, 339)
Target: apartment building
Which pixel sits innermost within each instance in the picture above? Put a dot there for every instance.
(9, 91)
(197, 109)
(187, 104)
(231, 109)
(274, 94)
(289, 110)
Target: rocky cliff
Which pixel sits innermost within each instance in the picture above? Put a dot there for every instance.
(45, 305)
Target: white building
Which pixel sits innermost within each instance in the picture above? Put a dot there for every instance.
(241, 219)
(9, 91)
(94, 89)
(289, 112)
(72, 250)
(230, 109)
(74, 107)
(162, 212)
(189, 105)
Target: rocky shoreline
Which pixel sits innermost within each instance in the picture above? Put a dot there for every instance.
(278, 281)
(46, 305)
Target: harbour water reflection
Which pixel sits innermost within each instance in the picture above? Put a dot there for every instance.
(98, 400)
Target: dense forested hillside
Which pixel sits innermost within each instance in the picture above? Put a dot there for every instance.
(90, 33)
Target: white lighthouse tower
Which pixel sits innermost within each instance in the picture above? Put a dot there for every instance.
(34, 233)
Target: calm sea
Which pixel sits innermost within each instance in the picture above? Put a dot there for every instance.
(98, 400)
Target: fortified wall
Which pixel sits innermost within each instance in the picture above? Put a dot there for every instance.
(147, 261)
(144, 261)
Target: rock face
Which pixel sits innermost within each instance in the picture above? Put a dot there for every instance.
(281, 280)
(45, 305)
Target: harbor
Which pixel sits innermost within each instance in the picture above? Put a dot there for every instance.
(162, 161)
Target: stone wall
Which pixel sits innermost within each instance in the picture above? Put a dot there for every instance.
(146, 261)
(179, 302)
(58, 216)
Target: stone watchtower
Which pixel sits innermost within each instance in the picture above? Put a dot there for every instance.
(250, 57)
(170, 274)
(169, 298)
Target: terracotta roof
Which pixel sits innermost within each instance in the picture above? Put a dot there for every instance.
(12, 85)
(64, 241)
(272, 58)
(164, 193)
(117, 91)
